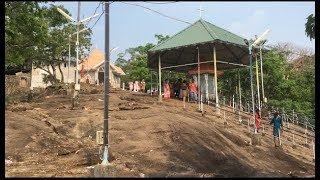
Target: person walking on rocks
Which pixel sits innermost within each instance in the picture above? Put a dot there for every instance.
(277, 127)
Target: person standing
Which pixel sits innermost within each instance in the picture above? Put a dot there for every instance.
(130, 86)
(166, 89)
(135, 86)
(193, 91)
(257, 119)
(184, 93)
(180, 90)
(177, 88)
(143, 85)
(138, 86)
(277, 127)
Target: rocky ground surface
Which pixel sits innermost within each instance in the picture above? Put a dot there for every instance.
(46, 138)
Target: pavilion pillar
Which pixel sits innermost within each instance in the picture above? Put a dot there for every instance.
(199, 84)
(215, 77)
(240, 104)
(159, 66)
(257, 77)
(207, 88)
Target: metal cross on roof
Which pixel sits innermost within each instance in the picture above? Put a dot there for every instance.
(200, 10)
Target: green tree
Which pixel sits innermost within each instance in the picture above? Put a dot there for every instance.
(310, 26)
(25, 29)
(135, 66)
(38, 35)
(161, 38)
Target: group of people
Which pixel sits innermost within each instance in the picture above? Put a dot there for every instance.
(137, 86)
(181, 89)
(277, 123)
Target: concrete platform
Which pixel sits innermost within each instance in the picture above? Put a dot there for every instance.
(102, 170)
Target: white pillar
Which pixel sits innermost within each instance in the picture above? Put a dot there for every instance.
(199, 80)
(207, 88)
(215, 76)
(239, 92)
(258, 91)
(233, 102)
(201, 106)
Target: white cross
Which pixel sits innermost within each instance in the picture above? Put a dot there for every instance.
(200, 10)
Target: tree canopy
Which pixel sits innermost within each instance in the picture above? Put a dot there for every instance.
(136, 65)
(310, 26)
(38, 34)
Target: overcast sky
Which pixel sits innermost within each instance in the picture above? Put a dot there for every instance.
(131, 26)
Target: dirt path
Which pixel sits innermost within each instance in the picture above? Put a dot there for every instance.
(146, 137)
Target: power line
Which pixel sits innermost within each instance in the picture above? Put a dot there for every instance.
(158, 13)
(160, 2)
(208, 28)
(97, 20)
(100, 3)
(100, 15)
(95, 11)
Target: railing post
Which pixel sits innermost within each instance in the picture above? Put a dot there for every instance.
(233, 102)
(314, 153)
(201, 103)
(292, 116)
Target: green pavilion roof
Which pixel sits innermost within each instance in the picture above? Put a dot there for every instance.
(180, 52)
(199, 32)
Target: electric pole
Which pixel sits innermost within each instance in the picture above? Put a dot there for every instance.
(106, 86)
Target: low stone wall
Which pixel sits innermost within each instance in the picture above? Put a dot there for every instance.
(16, 84)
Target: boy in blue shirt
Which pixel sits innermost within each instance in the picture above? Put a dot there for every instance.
(277, 126)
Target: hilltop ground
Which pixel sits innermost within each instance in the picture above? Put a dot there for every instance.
(146, 139)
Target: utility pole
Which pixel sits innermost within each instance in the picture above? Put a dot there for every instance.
(257, 79)
(259, 39)
(77, 44)
(78, 22)
(69, 58)
(198, 83)
(69, 49)
(263, 97)
(106, 86)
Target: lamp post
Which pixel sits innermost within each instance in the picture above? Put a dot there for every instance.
(77, 22)
(69, 50)
(262, 88)
(106, 87)
(250, 59)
